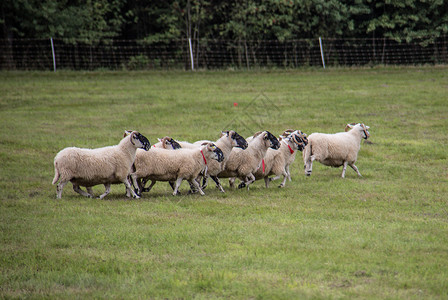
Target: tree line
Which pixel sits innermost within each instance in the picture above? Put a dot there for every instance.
(238, 20)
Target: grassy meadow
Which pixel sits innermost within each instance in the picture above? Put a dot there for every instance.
(382, 236)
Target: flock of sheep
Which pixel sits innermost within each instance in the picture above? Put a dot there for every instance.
(134, 162)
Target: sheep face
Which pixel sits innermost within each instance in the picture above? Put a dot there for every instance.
(299, 139)
(216, 152)
(237, 139)
(138, 140)
(271, 140)
(169, 143)
(361, 127)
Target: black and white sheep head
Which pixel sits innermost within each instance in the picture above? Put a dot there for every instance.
(237, 140)
(169, 143)
(215, 152)
(138, 139)
(361, 127)
(271, 139)
(299, 138)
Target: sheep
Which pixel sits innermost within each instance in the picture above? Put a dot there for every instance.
(335, 150)
(167, 143)
(277, 162)
(164, 143)
(303, 136)
(166, 165)
(90, 167)
(243, 163)
(226, 142)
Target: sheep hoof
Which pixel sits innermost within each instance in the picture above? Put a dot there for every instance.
(281, 186)
(241, 185)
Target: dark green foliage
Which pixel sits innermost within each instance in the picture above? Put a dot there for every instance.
(234, 20)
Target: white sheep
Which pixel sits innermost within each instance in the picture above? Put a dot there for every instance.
(277, 162)
(226, 142)
(175, 166)
(335, 150)
(243, 163)
(90, 167)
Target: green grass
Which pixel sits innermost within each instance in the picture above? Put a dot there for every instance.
(384, 235)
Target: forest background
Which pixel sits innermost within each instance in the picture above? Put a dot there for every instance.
(89, 21)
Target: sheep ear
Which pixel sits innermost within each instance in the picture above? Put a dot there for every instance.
(160, 140)
(127, 132)
(287, 132)
(257, 133)
(348, 126)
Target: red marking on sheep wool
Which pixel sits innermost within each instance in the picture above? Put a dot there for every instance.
(290, 150)
(262, 163)
(205, 161)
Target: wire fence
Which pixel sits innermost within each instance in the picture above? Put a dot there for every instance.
(53, 54)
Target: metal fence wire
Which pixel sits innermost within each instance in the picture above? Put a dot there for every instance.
(49, 54)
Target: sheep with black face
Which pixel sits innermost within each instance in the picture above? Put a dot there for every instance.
(243, 164)
(90, 167)
(277, 162)
(227, 141)
(174, 166)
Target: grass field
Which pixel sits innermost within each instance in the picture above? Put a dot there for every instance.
(384, 235)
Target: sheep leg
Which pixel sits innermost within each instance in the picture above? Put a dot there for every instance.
(356, 169)
(59, 188)
(77, 189)
(90, 191)
(309, 165)
(107, 191)
(249, 180)
(204, 182)
(218, 183)
(142, 183)
(136, 184)
(285, 176)
(288, 172)
(197, 186)
(176, 187)
(344, 169)
(193, 189)
(128, 189)
(153, 182)
(172, 184)
(266, 181)
(232, 182)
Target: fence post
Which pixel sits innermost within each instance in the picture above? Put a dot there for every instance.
(322, 52)
(54, 57)
(191, 55)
